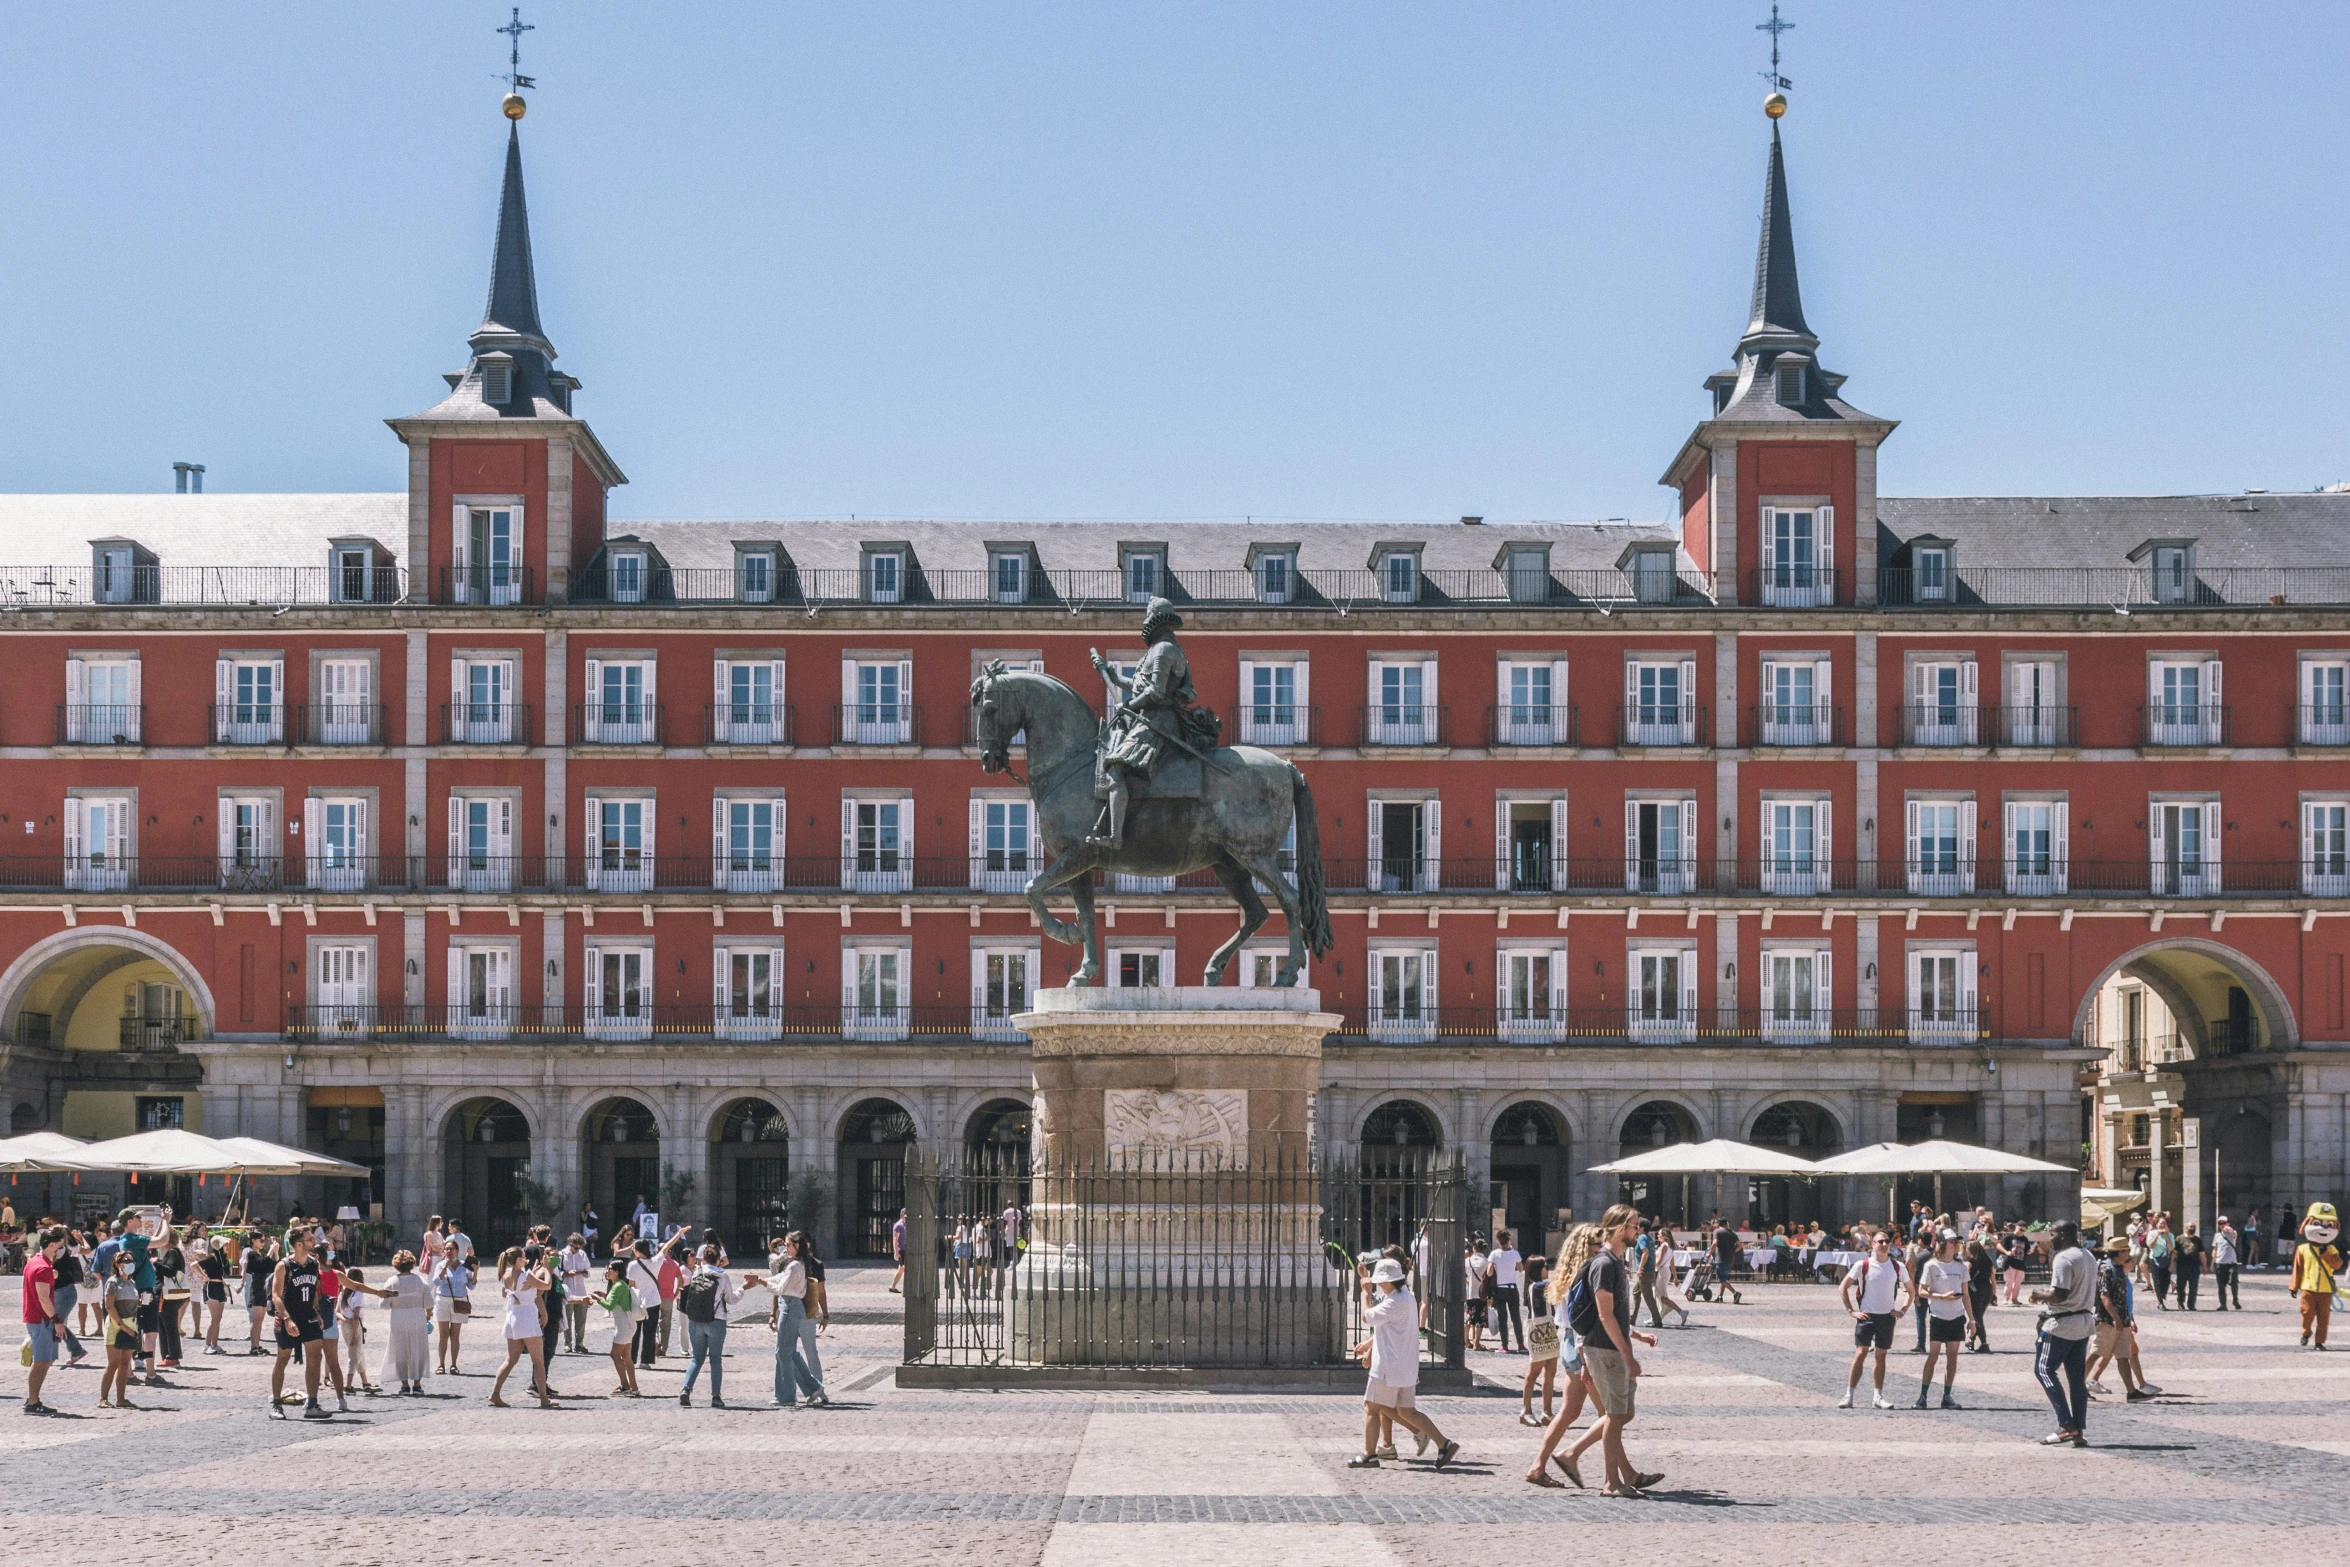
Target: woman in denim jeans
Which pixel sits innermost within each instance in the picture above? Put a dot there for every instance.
(796, 1367)
(706, 1341)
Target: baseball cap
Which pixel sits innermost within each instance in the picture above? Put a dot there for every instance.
(1389, 1271)
(2223, 1218)
(1949, 1235)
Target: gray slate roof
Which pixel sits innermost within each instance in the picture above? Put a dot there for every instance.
(2101, 530)
(199, 530)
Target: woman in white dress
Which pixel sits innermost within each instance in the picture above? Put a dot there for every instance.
(410, 1299)
(523, 1273)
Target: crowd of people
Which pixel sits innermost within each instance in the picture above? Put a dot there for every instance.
(131, 1283)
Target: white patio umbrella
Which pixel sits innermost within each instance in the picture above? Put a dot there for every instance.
(276, 1153)
(1721, 1156)
(2100, 1203)
(36, 1153)
(173, 1152)
(1936, 1158)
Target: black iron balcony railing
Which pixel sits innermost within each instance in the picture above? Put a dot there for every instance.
(1942, 724)
(2183, 723)
(1791, 586)
(2111, 587)
(1403, 724)
(876, 723)
(157, 1035)
(198, 587)
(2046, 725)
(750, 1021)
(1401, 1019)
(617, 723)
(108, 873)
(1277, 724)
(2322, 723)
(339, 723)
(1664, 723)
(246, 723)
(101, 723)
(487, 586)
(747, 723)
(486, 723)
(1795, 724)
(1516, 723)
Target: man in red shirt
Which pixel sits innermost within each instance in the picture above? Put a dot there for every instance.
(40, 1316)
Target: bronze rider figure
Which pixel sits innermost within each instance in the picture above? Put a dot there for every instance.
(1157, 711)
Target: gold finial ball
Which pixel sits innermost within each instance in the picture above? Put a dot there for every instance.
(1774, 106)
(514, 106)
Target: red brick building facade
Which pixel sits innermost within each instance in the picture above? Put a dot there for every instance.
(519, 854)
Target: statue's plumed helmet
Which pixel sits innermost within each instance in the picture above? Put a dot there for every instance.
(1160, 615)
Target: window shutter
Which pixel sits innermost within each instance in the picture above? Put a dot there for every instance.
(1909, 845)
(1501, 846)
(1823, 994)
(1969, 702)
(721, 962)
(1632, 845)
(2153, 684)
(1248, 693)
(978, 845)
(718, 862)
(502, 832)
(1431, 845)
(224, 692)
(2007, 855)
(775, 842)
(906, 721)
(775, 732)
(2307, 670)
(77, 698)
(721, 700)
(1559, 879)
(848, 842)
(1305, 698)
(1688, 715)
(591, 985)
(593, 707)
(1824, 540)
(2209, 717)
(1770, 985)
(311, 856)
(848, 982)
(74, 810)
(1501, 698)
(1688, 844)
(1428, 697)
(1375, 831)
(1688, 966)
(457, 691)
(226, 829)
(2308, 843)
(264, 831)
(134, 720)
(848, 696)
(1969, 829)
(2059, 844)
(2211, 844)
(1557, 716)
(1823, 693)
(456, 840)
(775, 982)
(592, 838)
(652, 822)
(454, 995)
(2154, 843)
(277, 699)
(1968, 1003)
(1631, 695)
(652, 689)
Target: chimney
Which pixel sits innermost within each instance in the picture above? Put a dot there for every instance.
(187, 478)
(1472, 522)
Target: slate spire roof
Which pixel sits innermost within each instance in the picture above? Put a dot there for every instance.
(1778, 300)
(513, 309)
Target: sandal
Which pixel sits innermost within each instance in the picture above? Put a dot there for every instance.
(1567, 1468)
(1541, 1477)
(1642, 1482)
(1634, 1493)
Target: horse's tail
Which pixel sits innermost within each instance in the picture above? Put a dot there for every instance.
(1313, 905)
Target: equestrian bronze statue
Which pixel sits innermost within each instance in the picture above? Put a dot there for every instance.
(1147, 791)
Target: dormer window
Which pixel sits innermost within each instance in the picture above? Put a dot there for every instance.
(754, 575)
(627, 571)
(1790, 385)
(1276, 577)
(885, 576)
(359, 571)
(1399, 577)
(1653, 569)
(1007, 577)
(1527, 569)
(122, 573)
(2174, 574)
(1930, 564)
(1146, 574)
(497, 380)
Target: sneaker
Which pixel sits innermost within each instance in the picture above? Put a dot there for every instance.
(1362, 1461)
(718, 1403)
(1420, 1441)
(685, 1401)
(2096, 1387)
(1385, 1451)
(1879, 1401)
(1951, 1403)
(1447, 1453)
(36, 1407)
(1846, 1401)
(2151, 1387)
(1921, 1403)
(2058, 1439)
(277, 1409)
(316, 1412)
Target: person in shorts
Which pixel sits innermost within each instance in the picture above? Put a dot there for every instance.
(1392, 1353)
(42, 1320)
(1601, 1315)
(1946, 1287)
(293, 1302)
(2115, 1343)
(1872, 1293)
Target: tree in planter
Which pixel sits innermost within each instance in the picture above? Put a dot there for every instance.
(541, 1201)
(677, 1190)
(808, 1199)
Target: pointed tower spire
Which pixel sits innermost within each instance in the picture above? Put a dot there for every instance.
(513, 309)
(1778, 300)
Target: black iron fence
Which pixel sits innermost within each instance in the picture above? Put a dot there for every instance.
(1152, 1263)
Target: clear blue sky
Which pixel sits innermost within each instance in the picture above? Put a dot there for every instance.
(1141, 260)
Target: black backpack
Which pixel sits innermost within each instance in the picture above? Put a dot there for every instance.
(699, 1299)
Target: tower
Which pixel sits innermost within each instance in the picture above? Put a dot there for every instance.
(506, 484)
(1778, 486)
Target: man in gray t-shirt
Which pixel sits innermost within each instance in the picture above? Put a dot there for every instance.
(2068, 1320)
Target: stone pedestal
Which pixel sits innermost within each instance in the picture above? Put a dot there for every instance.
(1175, 1218)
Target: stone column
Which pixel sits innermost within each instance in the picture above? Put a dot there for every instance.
(2191, 1183)
(412, 1161)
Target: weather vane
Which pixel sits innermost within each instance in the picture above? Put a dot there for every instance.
(516, 81)
(1776, 104)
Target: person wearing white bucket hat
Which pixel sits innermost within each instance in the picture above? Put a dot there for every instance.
(1392, 1353)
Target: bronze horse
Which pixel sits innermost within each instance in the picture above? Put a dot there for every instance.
(1235, 826)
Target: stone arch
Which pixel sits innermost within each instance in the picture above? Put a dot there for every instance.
(1445, 1136)
(28, 965)
(1530, 1182)
(871, 1138)
(2268, 997)
(750, 1148)
(1753, 1123)
(1620, 1120)
(440, 1114)
(481, 1175)
(866, 1105)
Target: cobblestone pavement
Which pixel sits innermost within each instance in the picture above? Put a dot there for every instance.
(2247, 1445)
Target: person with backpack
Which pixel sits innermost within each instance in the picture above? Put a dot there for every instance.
(1872, 1295)
(1600, 1312)
(704, 1299)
